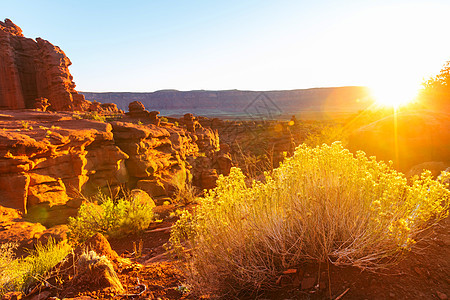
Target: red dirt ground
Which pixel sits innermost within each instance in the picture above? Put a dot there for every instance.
(424, 273)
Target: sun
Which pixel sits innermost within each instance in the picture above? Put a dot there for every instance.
(395, 96)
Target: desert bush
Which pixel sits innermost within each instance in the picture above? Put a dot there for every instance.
(254, 165)
(19, 274)
(185, 192)
(322, 204)
(327, 135)
(113, 218)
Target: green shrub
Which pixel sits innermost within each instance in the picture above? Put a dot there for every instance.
(112, 218)
(21, 274)
(322, 204)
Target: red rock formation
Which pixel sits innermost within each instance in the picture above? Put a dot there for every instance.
(45, 159)
(31, 69)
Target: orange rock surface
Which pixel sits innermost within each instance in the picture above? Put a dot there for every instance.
(30, 69)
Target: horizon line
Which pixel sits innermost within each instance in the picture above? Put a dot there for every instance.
(229, 90)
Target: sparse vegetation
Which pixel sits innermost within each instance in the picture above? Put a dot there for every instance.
(26, 125)
(93, 115)
(164, 119)
(19, 274)
(112, 217)
(185, 192)
(327, 135)
(323, 204)
(254, 165)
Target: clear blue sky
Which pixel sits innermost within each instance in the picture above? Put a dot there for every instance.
(255, 45)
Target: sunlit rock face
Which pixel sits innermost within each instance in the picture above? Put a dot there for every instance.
(421, 136)
(47, 160)
(30, 69)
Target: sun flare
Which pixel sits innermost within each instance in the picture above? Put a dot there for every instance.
(394, 96)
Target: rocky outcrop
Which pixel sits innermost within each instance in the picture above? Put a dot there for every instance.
(420, 136)
(30, 69)
(48, 159)
(160, 151)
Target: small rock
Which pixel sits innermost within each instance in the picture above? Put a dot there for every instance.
(441, 296)
(392, 295)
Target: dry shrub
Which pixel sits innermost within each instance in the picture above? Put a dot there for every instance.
(185, 193)
(322, 204)
(98, 271)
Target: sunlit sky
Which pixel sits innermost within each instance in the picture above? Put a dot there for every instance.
(251, 45)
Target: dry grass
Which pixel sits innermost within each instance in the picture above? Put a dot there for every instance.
(322, 204)
(19, 274)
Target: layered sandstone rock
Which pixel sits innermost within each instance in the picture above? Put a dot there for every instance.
(30, 69)
(47, 158)
(159, 151)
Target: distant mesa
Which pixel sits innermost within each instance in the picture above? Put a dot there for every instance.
(237, 102)
(35, 69)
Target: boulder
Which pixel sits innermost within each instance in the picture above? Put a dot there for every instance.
(153, 187)
(420, 136)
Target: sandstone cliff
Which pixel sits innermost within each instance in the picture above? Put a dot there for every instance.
(30, 69)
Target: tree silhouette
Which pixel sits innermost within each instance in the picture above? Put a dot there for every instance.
(436, 90)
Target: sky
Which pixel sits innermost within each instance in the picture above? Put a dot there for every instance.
(143, 46)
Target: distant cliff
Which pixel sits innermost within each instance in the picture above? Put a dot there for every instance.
(237, 102)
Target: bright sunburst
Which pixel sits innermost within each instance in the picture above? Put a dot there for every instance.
(394, 95)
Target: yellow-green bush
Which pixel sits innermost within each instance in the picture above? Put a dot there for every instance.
(19, 274)
(322, 204)
(112, 217)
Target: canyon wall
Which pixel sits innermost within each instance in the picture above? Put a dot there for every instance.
(31, 69)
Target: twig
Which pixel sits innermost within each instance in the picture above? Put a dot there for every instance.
(155, 258)
(329, 279)
(159, 229)
(342, 295)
